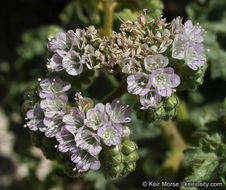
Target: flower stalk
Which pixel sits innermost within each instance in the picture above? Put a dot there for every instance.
(108, 22)
(176, 145)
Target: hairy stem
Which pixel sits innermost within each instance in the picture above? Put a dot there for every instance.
(108, 20)
(176, 145)
(116, 93)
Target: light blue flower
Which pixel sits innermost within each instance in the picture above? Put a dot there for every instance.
(156, 62)
(72, 62)
(53, 125)
(138, 84)
(36, 117)
(62, 43)
(54, 105)
(89, 141)
(164, 80)
(111, 133)
(188, 45)
(151, 99)
(84, 160)
(53, 87)
(96, 117)
(55, 63)
(74, 120)
(118, 112)
(194, 56)
(66, 140)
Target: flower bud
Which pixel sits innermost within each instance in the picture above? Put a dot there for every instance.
(114, 151)
(128, 167)
(132, 157)
(128, 147)
(117, 159)
(171, 102)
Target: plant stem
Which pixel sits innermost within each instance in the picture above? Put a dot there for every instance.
(108, 21)
(116, 93)
(176, 145)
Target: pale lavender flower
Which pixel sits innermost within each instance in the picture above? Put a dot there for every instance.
(53, 125)
(55, 63)
(155, 62)
(36, 117)
(96, 117)
(187, 45)
(179, 45)
(62, 43)
(88, 141)
(74, 120)
(87, 56)
(194, 56)
(164, 80)
(130, 65)
(84, 160)
(72, 63)
(126, 131)
(111, 133)
(151, 99)
(53, 87)
(54, 105)
(118, 112)
(78, 37)
(138, 84)
(193, 33)
(177, 26)
(66, 140)
(84, 103)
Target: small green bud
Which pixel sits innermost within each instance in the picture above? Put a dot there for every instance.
(117, 159)
(171, 102)
(199, 80)
(129, 167)
(128, 147)
(118, 169)
(132, 157)
(114, 151)
(160, 112)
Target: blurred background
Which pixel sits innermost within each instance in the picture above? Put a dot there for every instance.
(25, 28)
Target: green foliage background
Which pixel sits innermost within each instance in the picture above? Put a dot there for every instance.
(203, 127)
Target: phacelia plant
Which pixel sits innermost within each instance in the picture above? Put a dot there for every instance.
(155, 59)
